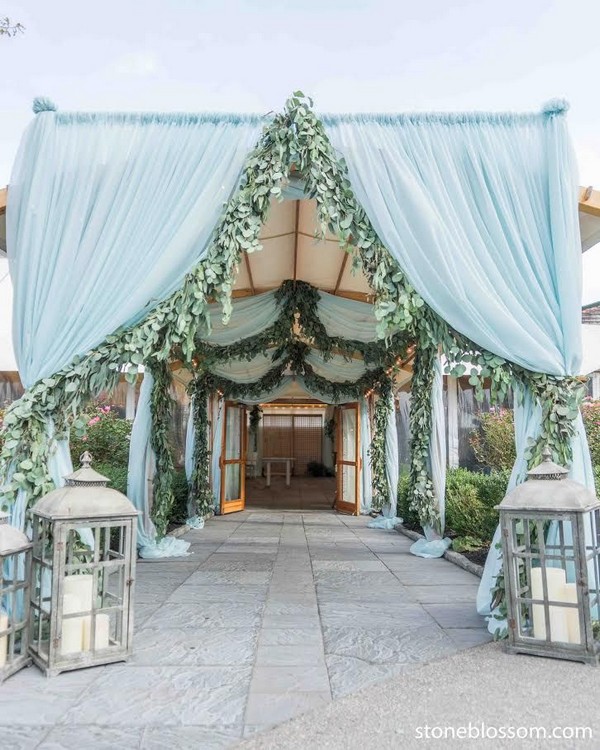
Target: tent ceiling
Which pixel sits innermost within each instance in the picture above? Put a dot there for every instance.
(291, 251)
(589, 217)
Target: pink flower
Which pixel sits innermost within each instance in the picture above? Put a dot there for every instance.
(105, 409)
(93, 420)
(84, 438)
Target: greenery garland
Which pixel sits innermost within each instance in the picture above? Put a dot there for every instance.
(200, 495)
(421, 494)
(161, 408)
(295, 136)
(377, 449)
(298, 305)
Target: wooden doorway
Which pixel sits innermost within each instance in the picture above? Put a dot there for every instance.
(233, 458)
(348, 459)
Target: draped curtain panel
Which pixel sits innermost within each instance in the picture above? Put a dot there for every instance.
(105, 216)
(480, 211)
(140, 476)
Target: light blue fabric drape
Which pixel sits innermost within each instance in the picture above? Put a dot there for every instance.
(493, 200)
(106, 214)
(366, 485)
(347, 318)
(249, 317)
(139, 479)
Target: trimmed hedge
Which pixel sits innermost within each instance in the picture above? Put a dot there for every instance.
(470, 501)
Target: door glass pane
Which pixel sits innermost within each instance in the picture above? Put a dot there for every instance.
(349, 434)
(348, 484)
(232, 482)
(234, 427)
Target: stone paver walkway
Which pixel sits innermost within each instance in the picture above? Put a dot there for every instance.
(274, 614)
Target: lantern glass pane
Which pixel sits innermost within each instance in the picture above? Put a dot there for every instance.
(542, 580)
(95, 607)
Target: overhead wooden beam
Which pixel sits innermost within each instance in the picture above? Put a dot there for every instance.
(249, 269)
(369, 298)
(589, 201)
(296, 240)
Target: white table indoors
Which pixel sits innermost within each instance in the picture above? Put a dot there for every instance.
(275, 460)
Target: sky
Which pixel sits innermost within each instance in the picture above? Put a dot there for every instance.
(349, 55)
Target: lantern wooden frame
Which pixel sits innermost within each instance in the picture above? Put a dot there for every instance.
(550, 529)
(83, 572)
(15, 566)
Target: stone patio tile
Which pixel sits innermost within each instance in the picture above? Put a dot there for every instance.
(291, 621)
(456, 615)
(189, 738)
(143, 610)
(281, 656)
(137, 696)
(348, 675)
(219, 647)
(286, 679)
(228, 563)
(216, 593)
(291, 637)
(266, 709)
(372, 615)
(290, 608)
(30, 698)
(468, 637)
(395, 646)
(189, 615)
(349, 565)
(437, 594)
(96, 737)
(21, 737)
(228, 578)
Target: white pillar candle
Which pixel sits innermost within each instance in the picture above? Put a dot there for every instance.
(572, 614)
(71, 604)
(72, 635)
(556, 580)
(82, 587)
(102, 632)
(3, 639)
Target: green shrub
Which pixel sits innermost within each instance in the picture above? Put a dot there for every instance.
(116, 474)
(107, 437)
(409, 516)
(179, 512)
(493, 442)
(591, 418)
(470, 501)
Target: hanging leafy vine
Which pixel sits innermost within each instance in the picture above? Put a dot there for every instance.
(422, 496)
(377, 449)
(200, 495)
(161, 408)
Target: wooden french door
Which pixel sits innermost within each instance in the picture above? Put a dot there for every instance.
(233, 458)
(348, 459)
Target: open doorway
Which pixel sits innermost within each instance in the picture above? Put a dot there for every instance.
(290, 461)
